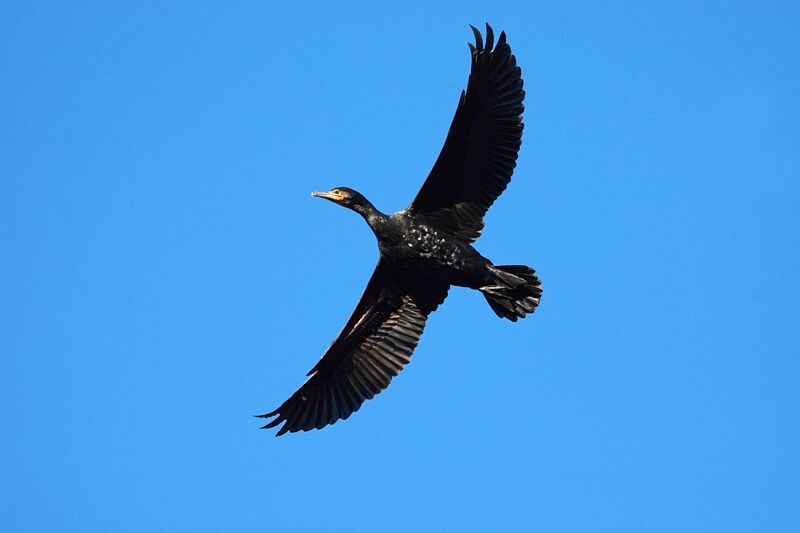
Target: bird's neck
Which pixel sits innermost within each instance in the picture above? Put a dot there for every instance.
(374, 218)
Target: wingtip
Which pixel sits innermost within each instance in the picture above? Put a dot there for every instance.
(273, 423)
(489, 37)
(267, 415)
(478, 38)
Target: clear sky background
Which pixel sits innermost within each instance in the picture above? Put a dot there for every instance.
(164, 273)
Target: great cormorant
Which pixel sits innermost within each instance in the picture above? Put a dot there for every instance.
(426, 248)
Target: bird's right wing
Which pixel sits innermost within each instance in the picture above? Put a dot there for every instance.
(374, 346)
(480, 153)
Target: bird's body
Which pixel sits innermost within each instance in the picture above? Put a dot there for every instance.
(426, 248)
(409, 244)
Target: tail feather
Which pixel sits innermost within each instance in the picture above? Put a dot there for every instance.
(514, 292)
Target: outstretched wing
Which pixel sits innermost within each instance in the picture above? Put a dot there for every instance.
(480, 153)
(374, 346)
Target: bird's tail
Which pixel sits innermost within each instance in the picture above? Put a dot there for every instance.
(514, 291)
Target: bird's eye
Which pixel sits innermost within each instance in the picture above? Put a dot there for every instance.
(337, 192)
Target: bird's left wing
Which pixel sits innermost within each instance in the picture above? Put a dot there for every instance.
(374, 346)
(480, 153)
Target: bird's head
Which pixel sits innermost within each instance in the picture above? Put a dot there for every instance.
(345, 197)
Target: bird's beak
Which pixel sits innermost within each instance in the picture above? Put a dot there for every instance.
(328, 196)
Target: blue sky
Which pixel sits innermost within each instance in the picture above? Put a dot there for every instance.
(164, 273)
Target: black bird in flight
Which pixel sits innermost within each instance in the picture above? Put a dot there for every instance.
(426, 248)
